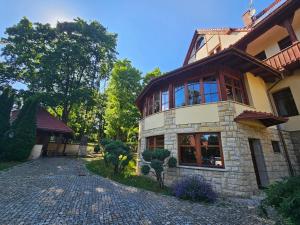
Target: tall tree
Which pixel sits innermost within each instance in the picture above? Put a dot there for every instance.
(121, 114)
(68, 62)
(150, 75)
(6, 104)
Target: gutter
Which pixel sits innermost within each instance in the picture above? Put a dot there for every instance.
(286, 153)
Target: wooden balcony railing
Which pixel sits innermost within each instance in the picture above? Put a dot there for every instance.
(286, 58)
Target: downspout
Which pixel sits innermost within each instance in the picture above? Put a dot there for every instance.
(287, 157)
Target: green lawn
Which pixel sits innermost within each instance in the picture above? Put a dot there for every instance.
(5, 165)
(129, 177)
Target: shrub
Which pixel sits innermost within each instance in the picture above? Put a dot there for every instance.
(285, 197)
(160, 154)
(172, 162)
(147, 155)
(97, 149)
(157, 160)
(118, 154)
(194, 188)
(145, 169)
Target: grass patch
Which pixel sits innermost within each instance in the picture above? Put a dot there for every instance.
(129, 177)
(5, 165)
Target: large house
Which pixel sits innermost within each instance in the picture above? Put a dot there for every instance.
(231, 112)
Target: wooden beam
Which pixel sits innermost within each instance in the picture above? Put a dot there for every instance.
(287, 24)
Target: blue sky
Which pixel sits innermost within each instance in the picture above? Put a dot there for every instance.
(151, 33)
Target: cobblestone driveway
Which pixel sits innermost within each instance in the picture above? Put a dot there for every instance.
(53, 191)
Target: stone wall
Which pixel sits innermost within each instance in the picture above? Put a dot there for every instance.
(295, 136)
(238, 178)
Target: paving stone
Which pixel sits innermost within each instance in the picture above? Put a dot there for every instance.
(54, 191)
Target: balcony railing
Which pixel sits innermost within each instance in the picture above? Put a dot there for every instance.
(286, 58)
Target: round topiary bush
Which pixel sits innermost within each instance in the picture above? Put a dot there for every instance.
(161, 154)
(145, 169)
(147, 155)
(194, 188)
(172, 162)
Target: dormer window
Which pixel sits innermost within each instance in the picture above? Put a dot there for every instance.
(200, 42)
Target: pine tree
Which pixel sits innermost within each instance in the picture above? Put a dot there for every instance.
(24, 132)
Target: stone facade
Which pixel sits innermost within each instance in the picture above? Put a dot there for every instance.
(295, 136)
(238, 178)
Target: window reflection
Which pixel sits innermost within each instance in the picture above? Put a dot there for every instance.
(165, 100)
(156, 102)
(194, 93)
(210, 87)
(179, 95)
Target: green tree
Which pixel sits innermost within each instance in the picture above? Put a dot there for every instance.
(121, 115)
(21, 138)
(150, 75)
(6, 104)
(68, 62)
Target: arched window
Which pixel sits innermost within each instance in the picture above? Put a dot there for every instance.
(200, 42)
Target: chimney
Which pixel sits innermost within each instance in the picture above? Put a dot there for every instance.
(247, 18)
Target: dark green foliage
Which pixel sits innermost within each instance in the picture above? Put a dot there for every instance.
(145, 169)
(160, 154)
(147, 155)
(18, 147)
(157, 160)
(117, 154)
(172, 162)
(6, 104)
(97, 149)
(285, 197)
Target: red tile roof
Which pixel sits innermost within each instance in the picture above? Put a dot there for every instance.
(267, 119)
(46, 122)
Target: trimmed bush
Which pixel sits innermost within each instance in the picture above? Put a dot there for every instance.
(194, 188)
(172, 162)
(160, 154)
(147, 155)
(145, 169)
(157, 160)
(284, 196)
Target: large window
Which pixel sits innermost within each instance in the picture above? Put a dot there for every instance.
(155, 142)
(234, 89)
(200, 149)
(179, 95)
(200, 42)
(210, 89)
(156, 102)
(194, 96)
(150, 105)
(285, 103)
(165, 100)
(284, 43)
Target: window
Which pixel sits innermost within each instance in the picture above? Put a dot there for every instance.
(210, 89)
(234, 89)
(179, 95)
(194, 93)
(261, 55)
(285, 103)
(165, 100)
(200, 149)
(156, 102)
(150, 105)
(200, 42)
(155, 142)
(284, 43)
(276, 147)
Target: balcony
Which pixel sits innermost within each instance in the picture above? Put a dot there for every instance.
(286, 59)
